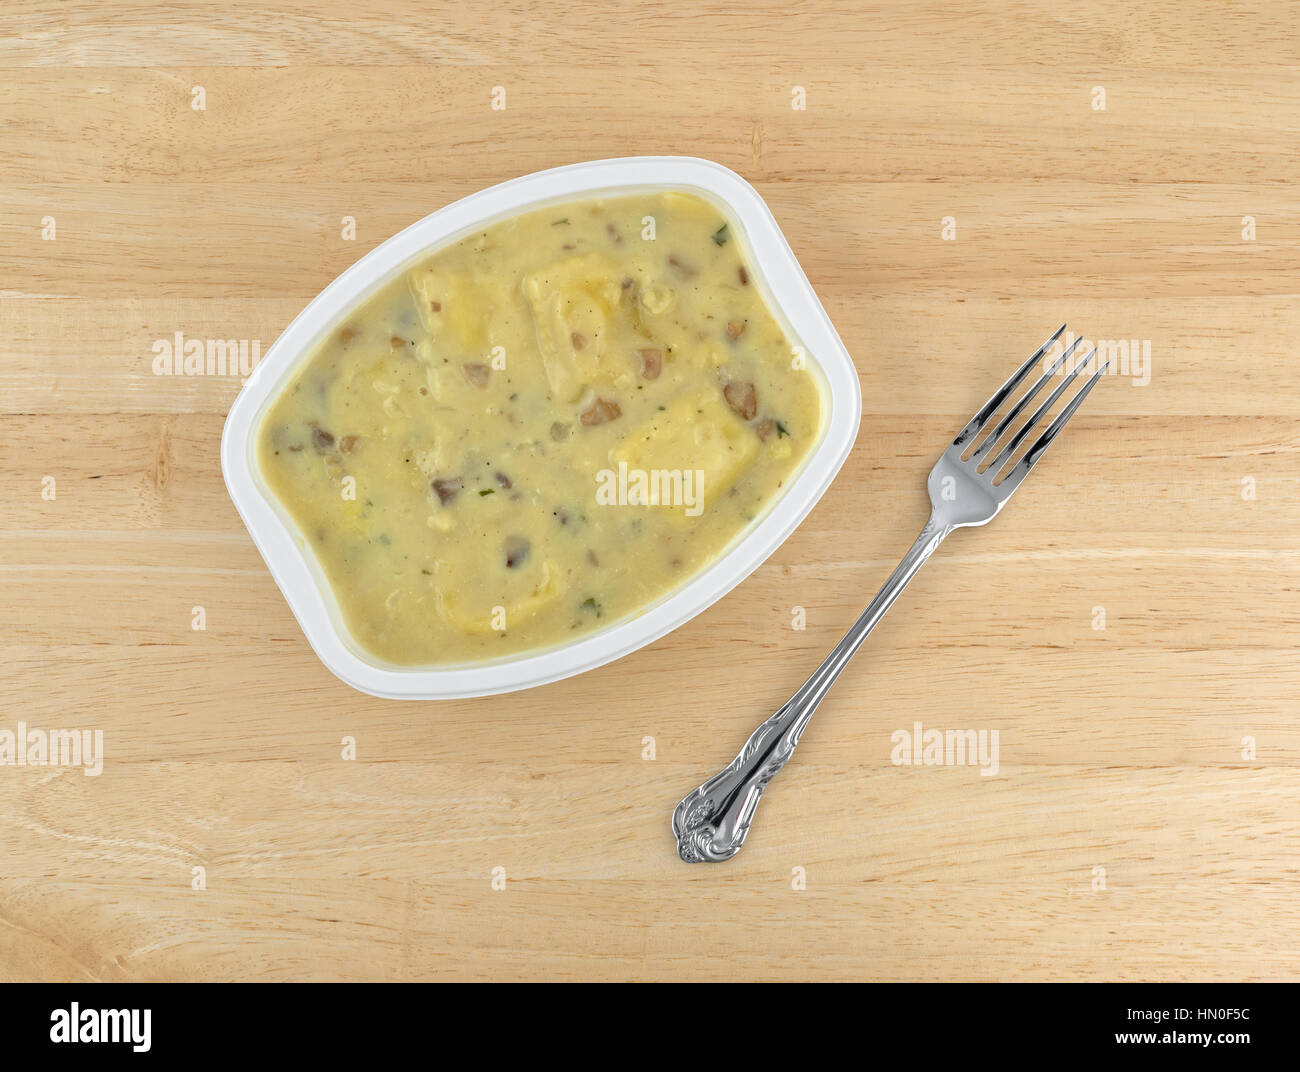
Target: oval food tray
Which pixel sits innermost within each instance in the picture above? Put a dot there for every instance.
(793, 303)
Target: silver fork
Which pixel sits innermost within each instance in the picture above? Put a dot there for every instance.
(711, 823)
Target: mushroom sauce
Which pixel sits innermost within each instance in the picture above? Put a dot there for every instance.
(541, 429)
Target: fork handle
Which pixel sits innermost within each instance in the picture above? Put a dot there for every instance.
(711, 823)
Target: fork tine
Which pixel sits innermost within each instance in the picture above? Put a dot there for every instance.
(1025, 399)
(1026, 463)
(1000, 395)
(1030, 424)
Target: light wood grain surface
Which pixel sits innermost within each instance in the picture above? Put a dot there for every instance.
(1144, 821)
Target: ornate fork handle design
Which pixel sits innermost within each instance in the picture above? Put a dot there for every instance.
(711, 823)
(969, 485)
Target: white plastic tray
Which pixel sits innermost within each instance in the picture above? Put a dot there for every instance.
(773, 268)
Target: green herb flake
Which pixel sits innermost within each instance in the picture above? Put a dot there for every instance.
(781, 430)
(720, 236)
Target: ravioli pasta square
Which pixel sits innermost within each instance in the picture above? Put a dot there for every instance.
(697, 433)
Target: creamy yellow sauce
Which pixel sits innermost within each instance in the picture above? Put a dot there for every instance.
(542, 429)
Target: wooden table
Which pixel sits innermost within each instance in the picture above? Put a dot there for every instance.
(1128, 626)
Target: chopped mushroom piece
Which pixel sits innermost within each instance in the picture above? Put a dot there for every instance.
(652, 363)
(321, 439)
(765, 428)
(601, 410)
(446, 488)
(517, 548)
(349, 443)
(742, 398)
(735, 328)
(477, 374)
